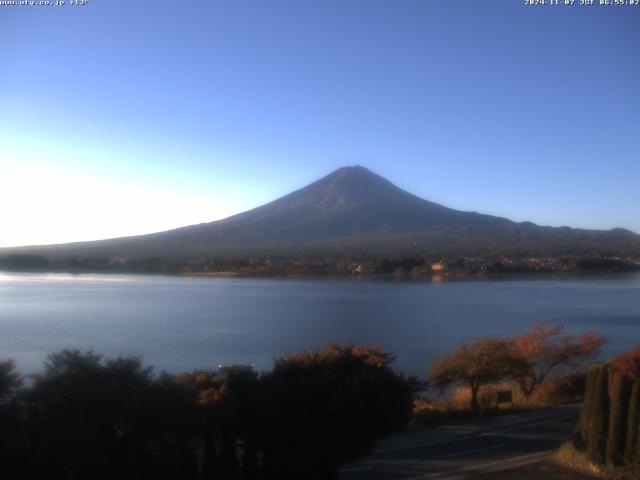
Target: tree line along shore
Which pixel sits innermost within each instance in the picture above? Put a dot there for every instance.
(398, 265)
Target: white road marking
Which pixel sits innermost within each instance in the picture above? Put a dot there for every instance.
(542, 422)
(507, 461)
(477, 450)
(469, 437)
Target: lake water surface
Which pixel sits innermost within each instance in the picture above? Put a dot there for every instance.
(182, 323)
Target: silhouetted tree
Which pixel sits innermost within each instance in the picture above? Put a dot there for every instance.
(9, 379)
(11, 427)
(481, 363)
(326, 407)
(169, 425)
(231, 407)
(89, 411)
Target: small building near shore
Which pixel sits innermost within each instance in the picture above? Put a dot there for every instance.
(438, 267)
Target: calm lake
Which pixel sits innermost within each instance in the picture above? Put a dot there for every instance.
(182, 323)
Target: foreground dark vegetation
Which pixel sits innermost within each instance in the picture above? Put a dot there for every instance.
(86, 417)
(398, 265)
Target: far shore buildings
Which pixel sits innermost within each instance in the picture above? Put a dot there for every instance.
(438, 267)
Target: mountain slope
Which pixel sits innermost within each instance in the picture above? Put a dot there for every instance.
(353, 210)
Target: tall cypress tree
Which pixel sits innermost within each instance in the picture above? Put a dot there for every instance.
(599, 417)
(636, 460)
(586, 412)
(633, 425)
(618, 410)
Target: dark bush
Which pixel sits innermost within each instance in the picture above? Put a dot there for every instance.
(327, 407)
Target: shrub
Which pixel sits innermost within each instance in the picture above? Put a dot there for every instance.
(576, 459)
(327, 407)
(560, 389)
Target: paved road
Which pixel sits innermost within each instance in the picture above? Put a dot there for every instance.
(545, 470)
(510, 443)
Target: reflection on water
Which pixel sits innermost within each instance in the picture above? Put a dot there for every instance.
(64, 277)
(179, 323)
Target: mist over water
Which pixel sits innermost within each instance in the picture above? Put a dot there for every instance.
(182, 323)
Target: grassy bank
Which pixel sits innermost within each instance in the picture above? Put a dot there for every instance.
(575, 458)
(561, 389)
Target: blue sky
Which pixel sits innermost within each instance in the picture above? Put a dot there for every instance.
(119, 117)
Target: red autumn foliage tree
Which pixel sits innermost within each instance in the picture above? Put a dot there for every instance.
(628, 364)
(540, 350)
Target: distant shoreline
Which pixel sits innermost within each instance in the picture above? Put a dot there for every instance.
(429, 268)
(368, 277)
